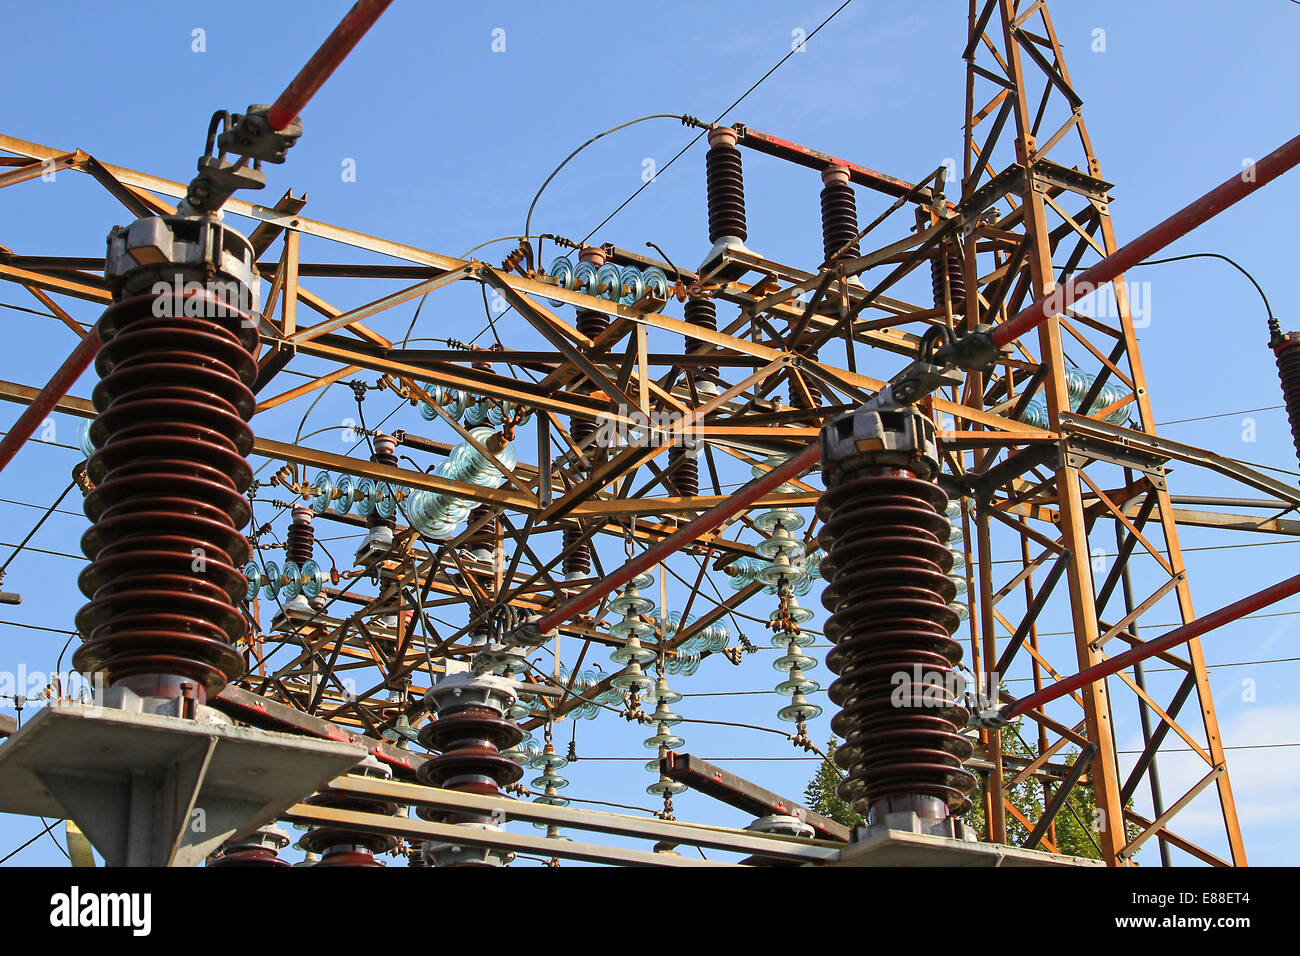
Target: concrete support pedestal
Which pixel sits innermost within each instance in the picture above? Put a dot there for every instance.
(154, 790)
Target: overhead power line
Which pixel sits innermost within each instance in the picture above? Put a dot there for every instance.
(695, 139)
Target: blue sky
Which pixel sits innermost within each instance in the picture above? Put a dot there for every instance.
(450, 140)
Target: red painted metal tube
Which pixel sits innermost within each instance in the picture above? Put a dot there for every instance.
(744, 496)
(1209, 622)
(49, 396)
(1152, 241)
(325, 60)
(815, 159)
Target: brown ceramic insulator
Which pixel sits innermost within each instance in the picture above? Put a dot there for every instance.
(355, 847)
(949, 262)
(703, 312)
(726, 189)
(885, 534)
(685, 476)
(299, 542)
(577, 563)
(485, 538)
(814, 387)
(382, 454)
(511, 262)
(590, 323)
(839, 221)
(165, 584)
(1288, 368)
(248, 856)
(385, 453)
(469, 741)
(580, 429)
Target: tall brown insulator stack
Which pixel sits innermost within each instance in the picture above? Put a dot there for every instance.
(703, 312)
(725, 178)
(169, 469)
(577, 563)
(887, 564)
(385, 453)
(379, 529)
(588, 321)
(684, 470)
(839, 216)
(299, 547)
(946, 266)
(839, 208)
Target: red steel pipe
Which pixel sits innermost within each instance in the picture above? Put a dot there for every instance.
(49, 396)
(1152, 241)
(1179, 635)
(744, 496)
(815, 159)
(325, 60)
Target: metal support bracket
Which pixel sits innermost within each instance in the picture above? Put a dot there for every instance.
(150, 790)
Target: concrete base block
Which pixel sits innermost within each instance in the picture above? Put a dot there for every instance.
(153, 790)
(886, 846)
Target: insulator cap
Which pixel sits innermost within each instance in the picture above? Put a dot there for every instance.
(180, 251)
(900, 438)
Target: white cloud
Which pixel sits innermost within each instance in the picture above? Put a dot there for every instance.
(1265, 782)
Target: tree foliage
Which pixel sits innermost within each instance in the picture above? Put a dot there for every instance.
(1075, 824)
(820, 792)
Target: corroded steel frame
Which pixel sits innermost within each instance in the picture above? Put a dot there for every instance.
(1050, 489)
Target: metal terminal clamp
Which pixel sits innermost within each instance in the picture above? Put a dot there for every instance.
(900, 437)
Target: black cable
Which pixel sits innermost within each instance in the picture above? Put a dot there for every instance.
(56, 444)
(57, 554)
(1272, 320)
(47, 829)
(528, 219)
(1206, 418)
(38, 627)
(48, 511)
(28, 504)
(411, 328)
(19, 308)
(56, 840)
